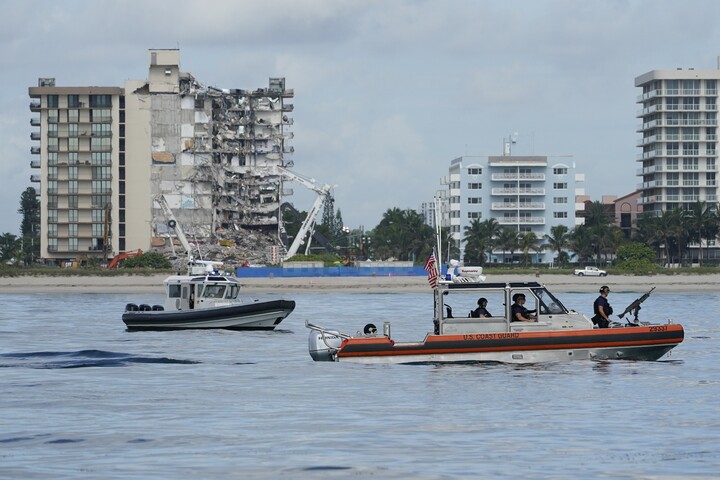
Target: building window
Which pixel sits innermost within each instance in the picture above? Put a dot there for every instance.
(98, 215)
(52, 172)
(100, 115)
(52, 158)
(52, 230)
(100, 100)
(52, 187)
(73, 144)
(671, 163)
(475, 171)
(474, 200)
(72, 201)
(710, 179)
(101, 129)
(52, 129)
(672, 179)
(72, 244)
(560, 200)
(474, 215)
(101, 186)
(73, 215)
(73, 186)
(72, 230)
(560, 215)
(474, 186)
(52, 116)
(100, 158)
(52, 215)
(73, 172)
(73, 115)
(52, 101)
(73, 101)
(691, 179)
(560, 186)
(101, 144)
(560, 171)
(101, 173)
(73, 158)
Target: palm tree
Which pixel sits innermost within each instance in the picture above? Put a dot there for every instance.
(507, 241)
(558, 241)
(528, 241)
(492, 230)
(701, 221)
(475, 243)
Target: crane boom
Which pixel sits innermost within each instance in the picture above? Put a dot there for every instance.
(309, 223)
(173, 223)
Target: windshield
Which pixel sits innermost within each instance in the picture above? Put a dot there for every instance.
(549, 305)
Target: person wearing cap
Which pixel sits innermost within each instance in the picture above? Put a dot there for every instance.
(602, 308)
(481, 311)
(519, 312)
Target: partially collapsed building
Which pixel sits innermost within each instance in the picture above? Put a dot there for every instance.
(218, 156)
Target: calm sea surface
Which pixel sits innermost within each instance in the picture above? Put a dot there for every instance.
(83, 398)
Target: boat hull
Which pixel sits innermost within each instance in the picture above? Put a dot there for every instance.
(626, 343)
(251, 316)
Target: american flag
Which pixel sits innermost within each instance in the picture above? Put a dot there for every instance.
(432, 270)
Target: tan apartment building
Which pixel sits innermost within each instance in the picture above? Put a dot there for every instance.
(107, 153)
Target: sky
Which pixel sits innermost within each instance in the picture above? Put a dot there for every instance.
(387, 92)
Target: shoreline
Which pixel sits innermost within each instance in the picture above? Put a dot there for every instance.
(391, 284)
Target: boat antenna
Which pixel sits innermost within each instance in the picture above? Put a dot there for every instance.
(437, 234)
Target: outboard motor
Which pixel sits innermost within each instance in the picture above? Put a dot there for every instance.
(324, 345)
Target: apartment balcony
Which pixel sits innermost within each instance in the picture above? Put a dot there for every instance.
(648, 96)
(35, 122)
(518, 191)
(35, 164)
(35, 150)
(647, 140)
(34, 135)
(521, 220)
(518, 206)
(646, 155)
(35, 178)
(536, 177)
(288, 107)
(35, 106)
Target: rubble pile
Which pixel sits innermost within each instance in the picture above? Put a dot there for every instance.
(233, 248)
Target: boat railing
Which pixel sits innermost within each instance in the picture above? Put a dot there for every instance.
(324, 331)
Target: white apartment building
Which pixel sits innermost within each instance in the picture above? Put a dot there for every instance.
(678, 138)
(524, 193)
(106, 153)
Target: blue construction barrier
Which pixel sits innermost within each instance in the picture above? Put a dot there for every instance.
(278, 272)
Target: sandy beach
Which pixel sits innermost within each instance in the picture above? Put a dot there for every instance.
(557, 283)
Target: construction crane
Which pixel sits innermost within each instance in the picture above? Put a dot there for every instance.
(173, 223)
(308, 225)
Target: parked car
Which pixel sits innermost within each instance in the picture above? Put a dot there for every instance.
(590, 272)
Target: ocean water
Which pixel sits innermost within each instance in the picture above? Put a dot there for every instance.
(84, 398)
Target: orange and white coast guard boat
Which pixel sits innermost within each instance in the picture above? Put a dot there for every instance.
(556, 334)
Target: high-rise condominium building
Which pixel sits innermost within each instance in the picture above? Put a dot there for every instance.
(523, 193)
(679, 138)
(108, 153)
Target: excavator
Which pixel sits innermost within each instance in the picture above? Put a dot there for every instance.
(115, 262)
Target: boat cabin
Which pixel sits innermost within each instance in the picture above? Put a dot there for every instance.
(456, 304)
(183, 292)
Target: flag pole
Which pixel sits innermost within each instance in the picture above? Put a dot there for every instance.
(437, 234)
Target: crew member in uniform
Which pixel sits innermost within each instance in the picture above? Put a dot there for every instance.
(602, 308)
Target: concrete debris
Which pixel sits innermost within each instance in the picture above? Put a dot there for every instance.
(233, 248)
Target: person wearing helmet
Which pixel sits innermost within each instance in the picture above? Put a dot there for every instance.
(602, 308)
(481, 310)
